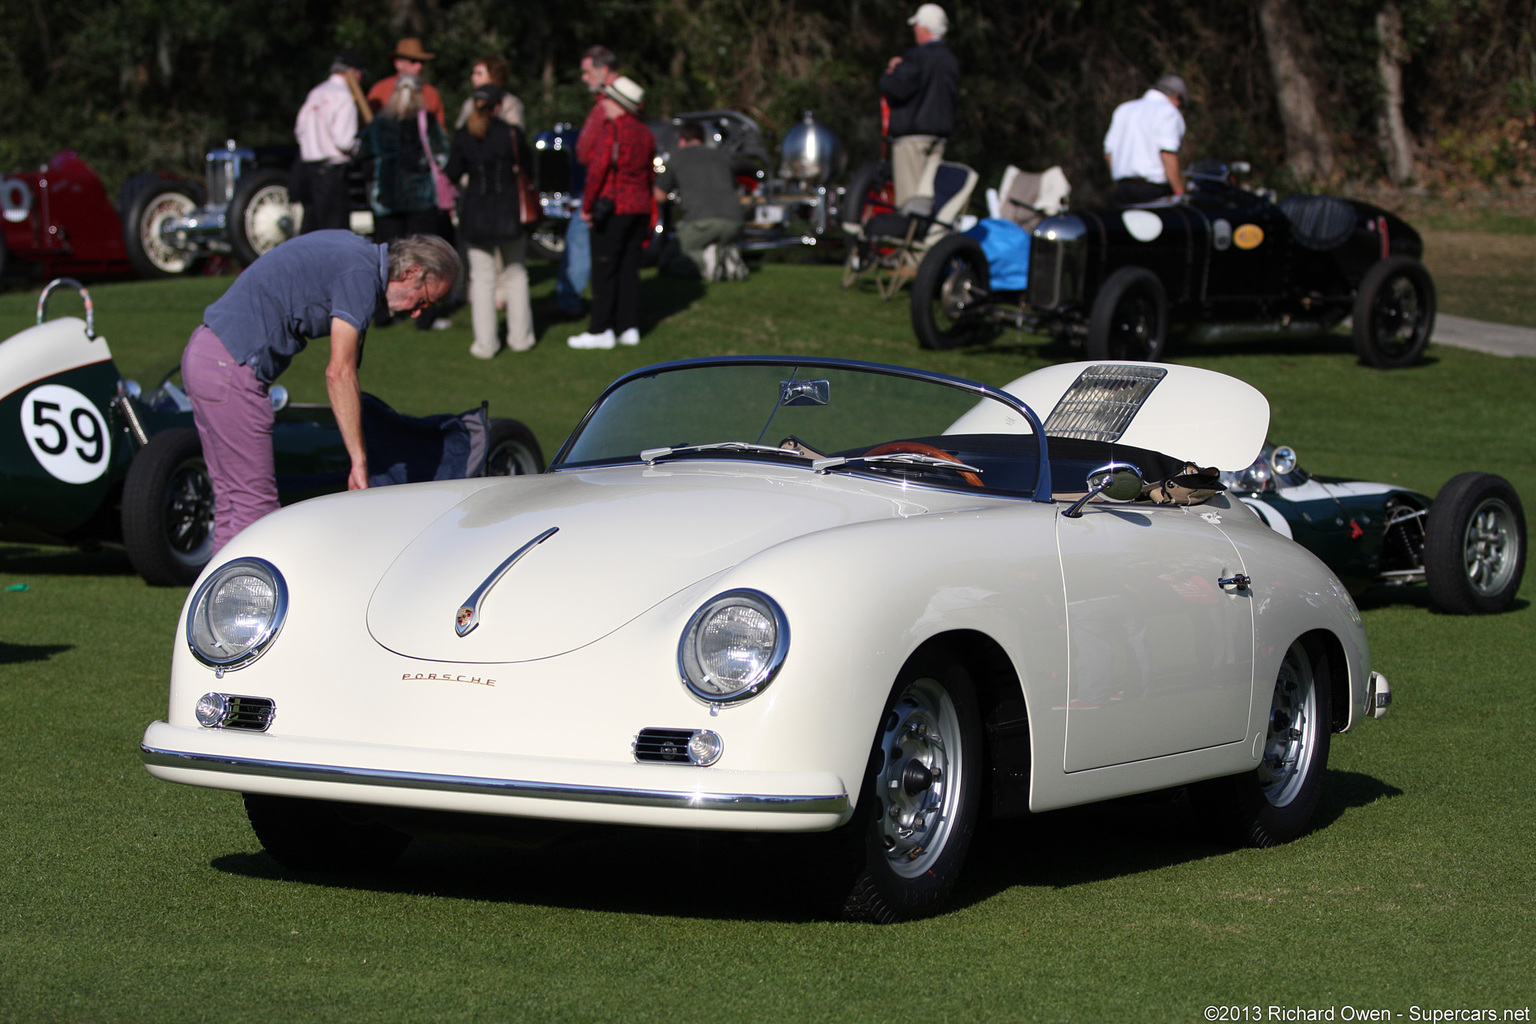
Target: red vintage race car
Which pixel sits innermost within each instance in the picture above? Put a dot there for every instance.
(60, 219)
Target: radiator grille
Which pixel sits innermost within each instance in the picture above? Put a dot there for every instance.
(1101, 403)
(663, 746)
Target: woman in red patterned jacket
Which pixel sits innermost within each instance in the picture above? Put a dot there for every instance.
(618, 205)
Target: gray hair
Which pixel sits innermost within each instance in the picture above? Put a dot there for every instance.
(406, 100)
(436, 258)
(601, 57)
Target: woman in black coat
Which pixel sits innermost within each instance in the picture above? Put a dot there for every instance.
(492, 154)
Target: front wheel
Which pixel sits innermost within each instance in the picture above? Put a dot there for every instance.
(546, 240)
(950, 292)
(1129, 319)
(1474, 545)
(167, 513)
(921, 798)
(314, 835)
(156, 203)
(260, 215)
(512, 450)
(1273, 803)
(1394, 313)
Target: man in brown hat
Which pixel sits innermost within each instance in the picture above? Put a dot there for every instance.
(410, 59)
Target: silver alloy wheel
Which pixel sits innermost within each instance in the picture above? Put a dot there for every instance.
(1292, 737)
(1489, 546)
(166, 207)
(270, 218)
(920, 781)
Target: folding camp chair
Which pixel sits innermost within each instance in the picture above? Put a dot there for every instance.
(894, 243)
(1027, 198)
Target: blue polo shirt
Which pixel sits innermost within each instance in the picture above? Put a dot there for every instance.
(291, 293)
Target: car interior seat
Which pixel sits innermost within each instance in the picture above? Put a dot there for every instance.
(894, 243)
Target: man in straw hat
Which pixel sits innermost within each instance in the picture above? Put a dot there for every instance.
(410, 59)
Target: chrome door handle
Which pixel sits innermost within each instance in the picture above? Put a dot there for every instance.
(1239, 581)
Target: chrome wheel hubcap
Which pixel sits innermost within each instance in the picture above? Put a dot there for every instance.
(1488, 549)
(1293, 729)
(919, 780)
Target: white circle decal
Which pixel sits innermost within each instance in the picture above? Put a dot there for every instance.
(1144, 225)
(67, 434)
(15, 200)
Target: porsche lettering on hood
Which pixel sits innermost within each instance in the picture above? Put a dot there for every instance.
(622, 545)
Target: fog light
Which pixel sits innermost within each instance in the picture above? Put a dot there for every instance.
(705, 747)
(212, 710)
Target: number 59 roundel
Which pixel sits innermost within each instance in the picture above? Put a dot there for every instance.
(66, 432)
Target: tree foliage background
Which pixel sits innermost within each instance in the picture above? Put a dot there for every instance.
(151, 84)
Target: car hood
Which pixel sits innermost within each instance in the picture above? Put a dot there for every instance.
(626, 538)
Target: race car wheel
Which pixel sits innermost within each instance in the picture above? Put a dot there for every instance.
(168, 509)
(1129, 319)
(260, 215)
(1273, 803)
(921, 798)
(547, 240)
(1394, 313)
(870, 191)
(154, 203)
(1474, 545)
(949, 293)
(314, 835)
(513, 450)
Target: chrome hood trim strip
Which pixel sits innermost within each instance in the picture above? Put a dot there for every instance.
(468, 615)
(789, 804)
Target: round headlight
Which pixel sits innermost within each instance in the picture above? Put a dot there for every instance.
(236, 613)
(733, 646)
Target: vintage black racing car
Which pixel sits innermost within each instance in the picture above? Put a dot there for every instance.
(1222, 262)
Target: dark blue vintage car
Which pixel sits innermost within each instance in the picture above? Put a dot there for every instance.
(1222, 262)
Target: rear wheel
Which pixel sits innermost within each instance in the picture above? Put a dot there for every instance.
(1474, 545)
(920, 802)
(1129, 318)
(512, 450)
(546, 240)
(950, 292)
(1394, 313)
(260, 215)
(314, 835)
(1273, 803)
(168, 509)
(155, 203)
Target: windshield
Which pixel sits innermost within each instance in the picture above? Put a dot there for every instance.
(821, 415)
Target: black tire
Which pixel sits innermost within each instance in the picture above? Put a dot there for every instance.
(1129, 319)
(512, 450)
(154, 202)
(167, 513)
(546, 239)
(1274, 803)
(1394, 313)
(1474, 545)
(315, 835)
(950, 293)
(921, 799)
(260, 216)
(861, 199)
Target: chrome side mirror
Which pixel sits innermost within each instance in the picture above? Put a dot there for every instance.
(278, 396)
(1117, 481)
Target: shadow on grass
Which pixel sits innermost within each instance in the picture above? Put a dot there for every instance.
(1416, 597)
(674, 873)
(29, 560)
(18, 654)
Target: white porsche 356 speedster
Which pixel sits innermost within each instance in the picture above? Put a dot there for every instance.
(773, 595)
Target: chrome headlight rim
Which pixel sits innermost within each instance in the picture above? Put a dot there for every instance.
(197, 609)
(693, 675)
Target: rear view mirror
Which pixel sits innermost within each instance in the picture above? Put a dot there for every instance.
(1117, 481)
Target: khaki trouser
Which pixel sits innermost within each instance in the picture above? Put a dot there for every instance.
(498, 272)
(915, 160)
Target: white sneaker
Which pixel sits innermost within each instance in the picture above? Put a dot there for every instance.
(709, 262)
(630, 337)
(586, 339)
(483, 353)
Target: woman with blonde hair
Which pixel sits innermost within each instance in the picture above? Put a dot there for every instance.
(489, 155)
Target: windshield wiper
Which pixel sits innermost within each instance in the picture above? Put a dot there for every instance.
(908, 458)
(652, 455)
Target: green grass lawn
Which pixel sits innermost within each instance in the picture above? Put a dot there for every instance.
(127, 899)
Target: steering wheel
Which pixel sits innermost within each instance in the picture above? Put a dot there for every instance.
(919, 448)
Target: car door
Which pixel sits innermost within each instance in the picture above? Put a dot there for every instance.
(1160, 652)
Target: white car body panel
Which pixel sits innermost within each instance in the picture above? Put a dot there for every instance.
(48, 349)
(535, 712)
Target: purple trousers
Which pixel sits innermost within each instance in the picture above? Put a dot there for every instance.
(233, 414)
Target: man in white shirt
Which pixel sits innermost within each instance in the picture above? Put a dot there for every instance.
(1142, 144)
(327, 132)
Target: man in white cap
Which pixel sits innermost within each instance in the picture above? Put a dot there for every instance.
(1142, 144)
(920, 87)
